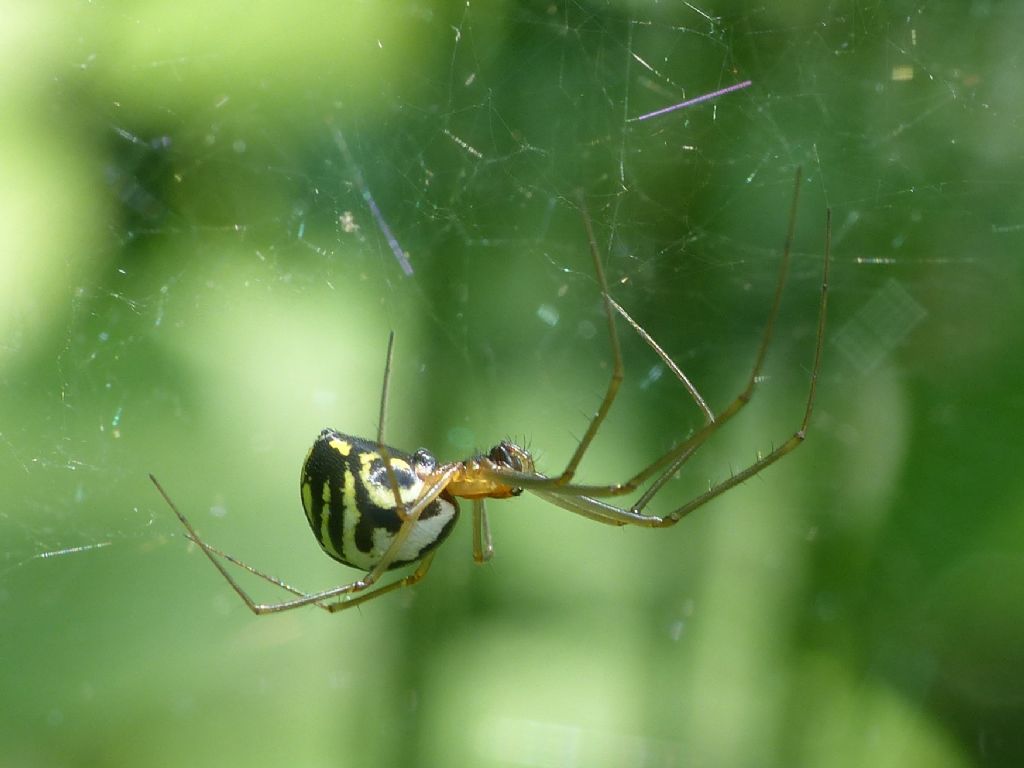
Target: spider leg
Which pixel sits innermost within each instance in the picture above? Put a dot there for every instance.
(595, 509)
(668, 361)
(384, 453)
(675, 457)
(794, 440)
(592, 509)
(617, 369)
(208, 551)
(405, 581)
(245, 566)
(432, 489)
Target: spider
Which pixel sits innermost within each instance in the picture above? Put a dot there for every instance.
(374, 507)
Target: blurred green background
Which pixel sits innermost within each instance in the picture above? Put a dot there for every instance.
(194, 284)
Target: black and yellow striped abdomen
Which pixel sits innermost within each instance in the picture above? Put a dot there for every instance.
(351, 508)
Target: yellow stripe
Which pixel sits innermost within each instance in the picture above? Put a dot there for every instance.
(380, 493)
(344, 447)
(307, 500)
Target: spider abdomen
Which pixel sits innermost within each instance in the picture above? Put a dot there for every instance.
(350, 504)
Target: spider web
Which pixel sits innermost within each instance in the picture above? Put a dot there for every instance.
(436, 199)
(217, 232)
(431, 202)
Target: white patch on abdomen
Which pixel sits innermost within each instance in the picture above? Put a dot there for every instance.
(424, 533)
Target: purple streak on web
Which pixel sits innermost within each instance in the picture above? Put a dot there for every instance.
(695, 100)
(403, 260)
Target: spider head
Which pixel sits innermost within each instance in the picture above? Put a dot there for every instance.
(509, 455)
